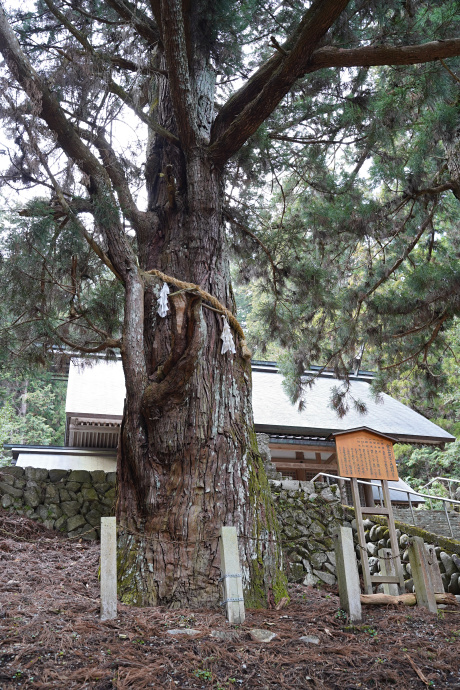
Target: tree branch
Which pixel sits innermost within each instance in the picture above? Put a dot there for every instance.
(275, 80)
(66, 210)
(238, 119)
(389, 271)
(131, 66)
(140, 220)
(112, 85)
(452, 74)
(149, 121)
(248, 232)
(70, 213)
(47, 106)
(111, 343)
(144, 26)
(373, 56)
(432, 191)
(312, 140)
(76, 205)
(155, 6)
(424, 348)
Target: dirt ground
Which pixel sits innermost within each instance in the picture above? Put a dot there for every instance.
(51, 635)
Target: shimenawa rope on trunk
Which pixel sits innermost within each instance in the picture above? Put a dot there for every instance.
(182, 285)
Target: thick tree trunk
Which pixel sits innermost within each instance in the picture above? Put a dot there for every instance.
(188, 459)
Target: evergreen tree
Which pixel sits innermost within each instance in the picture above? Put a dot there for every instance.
(32, 410)
(203, 82)
(361, 240)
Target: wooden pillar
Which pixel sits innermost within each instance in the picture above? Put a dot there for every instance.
(368, 494)
(301, 472)
(361, 537)
(421, 575)
(343, 492)
(388, 567)
(393, 538)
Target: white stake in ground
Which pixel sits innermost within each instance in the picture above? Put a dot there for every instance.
(347, 574)
(108, 568)
(231, 576)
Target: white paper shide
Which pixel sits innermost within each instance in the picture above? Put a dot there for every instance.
(163, 307)
(227, 341)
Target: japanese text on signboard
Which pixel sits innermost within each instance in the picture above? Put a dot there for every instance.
(366, 456)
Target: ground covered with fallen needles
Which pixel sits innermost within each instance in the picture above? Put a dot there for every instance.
(51, 635)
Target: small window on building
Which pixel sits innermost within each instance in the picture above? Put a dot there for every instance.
(289, 474)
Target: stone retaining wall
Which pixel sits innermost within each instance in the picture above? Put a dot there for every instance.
(74, 501)
(377, 537)
(71, 501)
(432, 520)
(309, 515)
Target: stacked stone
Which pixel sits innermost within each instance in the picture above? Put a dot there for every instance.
(449, 565)
(71, 501)
(309, 514)
(378, 537)
(265, 454)
(431, 520)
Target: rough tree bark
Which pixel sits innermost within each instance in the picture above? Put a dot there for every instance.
(188, 460)
(194, 463)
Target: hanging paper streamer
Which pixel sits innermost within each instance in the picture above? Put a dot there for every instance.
(227, 341)
(163, 300)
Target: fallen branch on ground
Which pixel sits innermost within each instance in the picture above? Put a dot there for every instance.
(406, 599)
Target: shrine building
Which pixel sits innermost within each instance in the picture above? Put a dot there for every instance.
(301, 442)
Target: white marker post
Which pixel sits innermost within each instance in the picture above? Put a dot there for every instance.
(347, 574)
(108, 568)
(433, 566)
(418, 558)
(231, 576)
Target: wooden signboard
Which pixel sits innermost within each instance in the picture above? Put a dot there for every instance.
(365, 454)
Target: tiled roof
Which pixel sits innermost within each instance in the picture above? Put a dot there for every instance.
(274, 413)
(98, 390)
(95, 388)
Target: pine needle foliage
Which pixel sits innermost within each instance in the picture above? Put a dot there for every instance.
(360, 222)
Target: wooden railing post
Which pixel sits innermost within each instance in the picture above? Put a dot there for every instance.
(421, 575)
